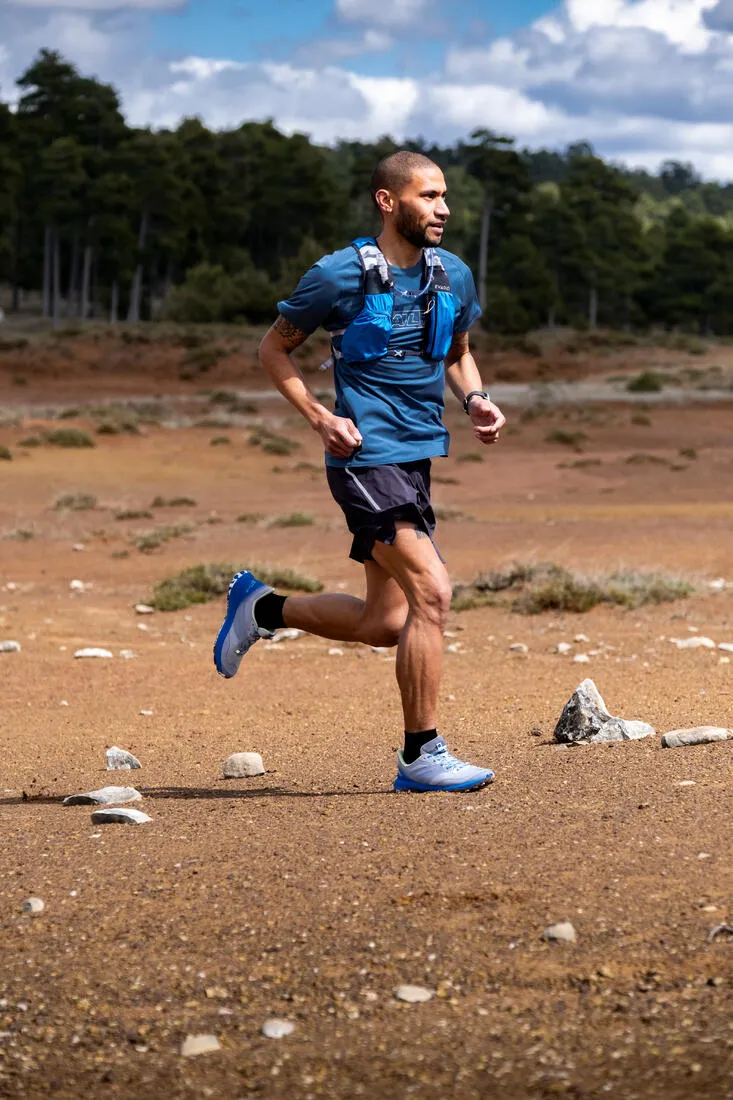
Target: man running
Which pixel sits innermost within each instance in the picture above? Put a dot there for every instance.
(398, 309)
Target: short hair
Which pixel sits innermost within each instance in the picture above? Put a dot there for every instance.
(393, 172)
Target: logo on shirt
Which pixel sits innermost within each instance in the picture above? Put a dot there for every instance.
(409, 318)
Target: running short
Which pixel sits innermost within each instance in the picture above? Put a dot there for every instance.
(373, 498)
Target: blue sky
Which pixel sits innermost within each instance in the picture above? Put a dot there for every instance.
(643, 80)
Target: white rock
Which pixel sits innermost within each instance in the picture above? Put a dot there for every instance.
(243, 765)
(146, 713)
(718, 584)
(121, 816)
(120, 760)
(277, 1029)
(64, 703)
(563, 648)
(727, 647)
(581, 659)
(9, 647)
(723, 660)
(193, 1045)
(563, 931)
(696, 642)
(106, 796)
(413, 994)
(79, 547)
(127, 654)
(379, 649)
(686, 783)
(289, 634)
(334, 651)
(582, 638)
(518, 647)
(454, 647)
(34, 905)
(93, 652)
(144, 609)
(699, 735)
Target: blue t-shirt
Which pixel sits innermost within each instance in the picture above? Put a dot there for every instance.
(396, 402)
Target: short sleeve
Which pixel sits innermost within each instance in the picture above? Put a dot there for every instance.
(470, 310)
(312, 300)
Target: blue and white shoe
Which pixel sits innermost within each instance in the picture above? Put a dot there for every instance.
(436, 770)
(239, 631)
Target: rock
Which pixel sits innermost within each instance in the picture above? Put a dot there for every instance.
(277, 1029)
(146, 713)
(586, 718)
(79, 547)
(34, 905)
(727, 647)
(144, 609)
(127, 654)
(582, 638)
(119, 760)
(289, 634)
(562, 648)
(699, 735)
(454, 647)
(413, 994)
(334, 651)
(686, 783)
(120, 816)
(106, 796)
(717, 585)
(243, 765)
(581, 659)
(563, 932)
(78, 586)
(698, 642)
(720, 930)
(518, 647)
(92, 652)
(193, 1045)
(9, 647)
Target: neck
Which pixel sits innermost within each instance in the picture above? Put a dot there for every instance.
(397, 250)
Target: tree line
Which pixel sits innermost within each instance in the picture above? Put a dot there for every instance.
(99, 219)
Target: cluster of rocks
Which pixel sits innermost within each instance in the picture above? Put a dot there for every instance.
(586, 720)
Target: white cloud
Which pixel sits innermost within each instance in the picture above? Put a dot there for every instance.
(393, 14)
(680, 21)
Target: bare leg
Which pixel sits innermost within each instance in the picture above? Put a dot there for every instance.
(415, 565)
(378, 620)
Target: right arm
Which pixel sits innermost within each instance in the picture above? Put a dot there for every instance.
(339, 434)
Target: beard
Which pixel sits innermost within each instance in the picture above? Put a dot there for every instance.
(408, 226)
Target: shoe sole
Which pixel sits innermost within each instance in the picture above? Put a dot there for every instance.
(226, 627)
(403, 784)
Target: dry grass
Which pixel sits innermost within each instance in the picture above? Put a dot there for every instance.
(202, 583)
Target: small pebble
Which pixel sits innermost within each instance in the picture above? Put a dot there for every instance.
(334, 651)
(562, 648)
(277, 1029)
(146, 713)
(454, 647)
(121, 816)
(413, 994)
(289, 634)
(199, 1044)
(127, 654)
(697, 642)
(79, 547)
(93, 652)
(563, 931)
(518, 647)
(9, 647)
(581, 659)
(243, 765)
(119, 760)
(686, 783)
(34, 905)
(582, 638)
(77, 586)
(700, 735)
(144, 609)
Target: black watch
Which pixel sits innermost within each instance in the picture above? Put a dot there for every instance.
(473, 393)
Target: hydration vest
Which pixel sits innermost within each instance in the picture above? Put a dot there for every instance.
(367, 337)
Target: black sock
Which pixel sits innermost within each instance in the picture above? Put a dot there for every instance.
(269, 611)
(414, 742)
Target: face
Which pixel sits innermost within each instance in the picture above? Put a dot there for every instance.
(420, 212)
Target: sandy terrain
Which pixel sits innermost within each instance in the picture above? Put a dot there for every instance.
(312, 892)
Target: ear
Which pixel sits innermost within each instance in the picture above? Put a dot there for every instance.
(385, 201)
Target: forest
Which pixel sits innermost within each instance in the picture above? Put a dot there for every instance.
(101, 220)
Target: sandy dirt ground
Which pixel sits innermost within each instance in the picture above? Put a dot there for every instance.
(312, 892)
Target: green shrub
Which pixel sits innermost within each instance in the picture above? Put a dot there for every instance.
(250, 517)
(69, 414)
(647, 382)
(31, 441)
(16, 344)
(640, 458)
(5, 453)
(688, 452)
(201, 583)
(219, 440)
(470, 456)
(641, 419)
(271, 442)
(133, 513)
(68, 437)
(174, 502)
(153, 540)
(76, 502)
(198, 361)
(566, 438)
(294, 519)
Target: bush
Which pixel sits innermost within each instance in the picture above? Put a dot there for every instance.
(219, 440)
(68, 437)
(567, 439)
(202, 583)
(174, 502)
(76, 502)
(5, 453)
(153, 540)
(271, 442)
(470, 456)
(133, 513)
(295, 519)
(647, 382)
(209, 294)
(199, 360)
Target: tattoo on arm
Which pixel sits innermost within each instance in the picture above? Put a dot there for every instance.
(291, 336)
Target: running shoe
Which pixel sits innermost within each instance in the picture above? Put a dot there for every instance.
(436, 770)
(239, 631)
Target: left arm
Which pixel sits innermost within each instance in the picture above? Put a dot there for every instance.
(462, 376)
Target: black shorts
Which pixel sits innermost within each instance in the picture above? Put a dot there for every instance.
(373, 497)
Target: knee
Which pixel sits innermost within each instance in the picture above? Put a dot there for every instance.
(431, 599)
